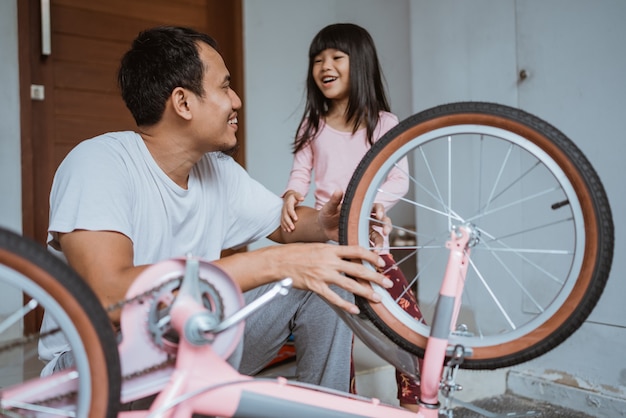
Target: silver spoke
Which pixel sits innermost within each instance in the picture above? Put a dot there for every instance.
(515, 203)
(498, 177)
(493, 296)
(18, 315)
(519, 253)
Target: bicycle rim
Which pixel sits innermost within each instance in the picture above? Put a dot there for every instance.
(546, 231)
(29, 272)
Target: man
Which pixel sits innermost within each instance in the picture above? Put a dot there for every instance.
(124, 200)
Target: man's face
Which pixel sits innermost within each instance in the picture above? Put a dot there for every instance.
(216, 124)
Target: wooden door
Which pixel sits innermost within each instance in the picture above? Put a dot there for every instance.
(74, 87)
(88, 38)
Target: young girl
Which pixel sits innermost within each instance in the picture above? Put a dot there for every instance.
(346, 112)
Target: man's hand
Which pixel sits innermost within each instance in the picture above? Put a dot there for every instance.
(328, 216)
(315, 267)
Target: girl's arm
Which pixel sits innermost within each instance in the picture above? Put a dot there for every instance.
(397, 183)
(301, 169)
(395, 186)
(297, 187)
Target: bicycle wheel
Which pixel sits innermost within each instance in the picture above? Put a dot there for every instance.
(29, 272)
(546, 230)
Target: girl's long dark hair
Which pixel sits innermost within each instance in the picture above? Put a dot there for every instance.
(367, 94)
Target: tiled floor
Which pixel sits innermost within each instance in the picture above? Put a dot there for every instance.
(18, 364)
(507, 405)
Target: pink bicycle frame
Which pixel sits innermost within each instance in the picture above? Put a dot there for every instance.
(446, 313)
(203, 382)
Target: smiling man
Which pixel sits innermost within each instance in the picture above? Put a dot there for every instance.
(125, 200)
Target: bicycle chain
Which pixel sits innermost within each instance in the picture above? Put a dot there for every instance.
(30, 338)
(27, 339)
(140, 298)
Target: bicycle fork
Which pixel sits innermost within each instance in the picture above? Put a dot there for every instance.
(444, 320)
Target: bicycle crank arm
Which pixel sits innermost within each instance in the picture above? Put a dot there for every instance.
(280, 288)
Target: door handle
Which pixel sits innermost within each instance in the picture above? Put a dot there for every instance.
(46, 44)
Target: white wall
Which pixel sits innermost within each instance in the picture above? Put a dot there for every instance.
(10, 167)
(574, 53)
(462, 51)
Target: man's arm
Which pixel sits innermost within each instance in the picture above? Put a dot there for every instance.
(312, 266)
(323, 225)
(105, 260)
(313, 225)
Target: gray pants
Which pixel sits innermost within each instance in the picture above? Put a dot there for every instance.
(323, 341)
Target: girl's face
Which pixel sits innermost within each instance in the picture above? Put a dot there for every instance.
(331, 72)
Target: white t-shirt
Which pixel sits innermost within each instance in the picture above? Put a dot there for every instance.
(111, 182)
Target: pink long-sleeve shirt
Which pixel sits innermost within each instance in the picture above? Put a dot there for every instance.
(334, 155)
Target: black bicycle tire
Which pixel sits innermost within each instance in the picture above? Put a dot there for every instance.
(597, 214)
(70, 291)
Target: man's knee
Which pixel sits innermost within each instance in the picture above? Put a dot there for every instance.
(65, 361)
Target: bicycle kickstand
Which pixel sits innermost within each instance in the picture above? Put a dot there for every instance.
(449, 386)
(448, 383)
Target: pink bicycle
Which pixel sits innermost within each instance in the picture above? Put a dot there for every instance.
(508, 247)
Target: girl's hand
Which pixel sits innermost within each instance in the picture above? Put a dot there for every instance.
(291, 199)
(380, 226)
